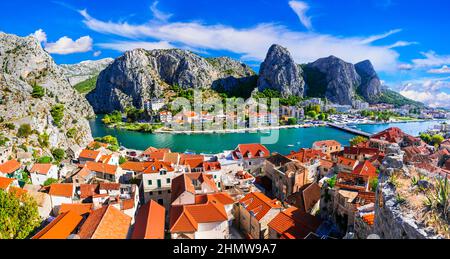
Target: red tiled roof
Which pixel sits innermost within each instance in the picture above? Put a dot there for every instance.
(369, 219)
(251, 151)
(294, 223)
(106, 223)
(221, 197)
(41, 168)
(156, 166)
(347, 161)
(18, 192)
(258, 204)
(89, 154)
(109, 186)
(79, 208)
(9, 167)
(150, 221)
(326, 163)
(61, 227)
(88, 190)
(61, 189)
(135, 166)
(328, 143)
(211, 166)
(5, 182)
(186, 218)
(366, 169)
(102, 168)
(306, 155)
(184, 183)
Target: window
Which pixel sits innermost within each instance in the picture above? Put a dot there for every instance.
(215, 176)
(161, 201)
(168, 180)
(169, 191)
(159, 192)
(149, 182)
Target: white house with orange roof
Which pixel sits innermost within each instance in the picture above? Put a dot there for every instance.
(88, 155)
(186, 186)
(61, 193)
(7, 183)
(9, 167)
(42, 172)
(200, 221)
(327, 146)
(254, 212)
(157, 181)
(252, 156)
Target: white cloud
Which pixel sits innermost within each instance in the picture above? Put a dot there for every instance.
(431, 60)
(130, 45)
(443, 70)
(405, 67)
(66, 45)
(40, 35)
(374, 38)
(431, 91)
(97, 53)
(300, 8)
(402, 44)
(159, 15)
(251, 43)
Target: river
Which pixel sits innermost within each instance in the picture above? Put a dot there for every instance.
(216, 143)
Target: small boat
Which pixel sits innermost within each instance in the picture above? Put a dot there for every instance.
(290, 145)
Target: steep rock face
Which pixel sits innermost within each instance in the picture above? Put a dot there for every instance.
(140, 75)
(280, 72)
(370, 87)
(24, 63)
(85, 70)
(337, 79)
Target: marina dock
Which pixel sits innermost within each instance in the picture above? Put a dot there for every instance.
(350, 130)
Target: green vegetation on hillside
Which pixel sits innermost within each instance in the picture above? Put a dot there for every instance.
(57, 112)
(38, 91)
(396, 99)
(87, 85)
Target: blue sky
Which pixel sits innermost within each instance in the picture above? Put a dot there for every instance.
(407, 41)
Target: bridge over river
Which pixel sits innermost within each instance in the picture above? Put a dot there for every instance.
(345, 128)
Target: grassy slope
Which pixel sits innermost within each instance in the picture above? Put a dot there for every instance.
(86, 86)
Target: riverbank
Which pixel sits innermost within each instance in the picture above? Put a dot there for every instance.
(233, 131)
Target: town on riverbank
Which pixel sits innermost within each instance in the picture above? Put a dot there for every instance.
(326, 191)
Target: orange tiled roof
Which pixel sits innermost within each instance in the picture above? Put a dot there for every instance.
(294, 223)
(150, 221)
(366, 169)
(251, 151)
(186, 218)
(171, 158)
(80, 208)
(328, 143)
(155, 167)
(306, 155)
(369, 219)
(9, 167)
(61, 227)
(221, 197)
(135, 166)
(326, 163)
(105, 159)
(89, 154)
(109, 186)
(5, 182)
(61, 189)
(258, 204)
(184, 183)
(102, 168)
(88, 190)
(106, 223)
(41, 168)
(346, 161)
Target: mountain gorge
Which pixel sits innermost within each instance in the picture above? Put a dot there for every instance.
(140, 75)
(32, 88)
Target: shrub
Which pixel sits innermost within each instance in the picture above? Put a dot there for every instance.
(38, 91)
(43, 140)
(58, 154)
(57, 112)
(44, 160)
(71, 132)
(357, 140)
(24, 131)
(122, 160)
(50, 181)
(292, 121)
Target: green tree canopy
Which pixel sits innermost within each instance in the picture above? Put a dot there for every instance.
(437, 139)
(19, 216)
(292, 121)
(357, 140)
(38, 91)
(24, 131)
(50, 181)
(58, 154)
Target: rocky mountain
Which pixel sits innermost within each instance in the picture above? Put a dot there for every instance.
(24, 67)
(139, 75)
(332, 78)
(370, 87)
(280, 72)
(77, 73)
